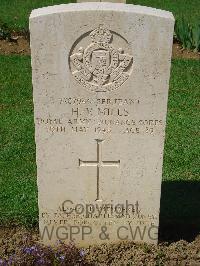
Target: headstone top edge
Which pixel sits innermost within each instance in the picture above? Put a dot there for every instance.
(104, 6)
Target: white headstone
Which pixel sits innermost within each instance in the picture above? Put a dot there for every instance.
(100, 84)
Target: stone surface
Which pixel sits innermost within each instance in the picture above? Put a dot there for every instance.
(100, 84)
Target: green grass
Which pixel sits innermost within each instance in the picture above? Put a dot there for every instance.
(180, 200)
(182, 160)
(18, 194)
(180, 8)
(15, 13)
(18, 190)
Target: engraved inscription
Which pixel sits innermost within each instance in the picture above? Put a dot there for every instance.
(101, 116)
(100, 67)
(105, 125)
(99, 163)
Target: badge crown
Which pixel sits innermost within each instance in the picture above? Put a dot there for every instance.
(101, 35)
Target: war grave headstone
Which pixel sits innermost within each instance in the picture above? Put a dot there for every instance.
(100, 75)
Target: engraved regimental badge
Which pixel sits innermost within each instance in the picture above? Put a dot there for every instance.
(100, 67)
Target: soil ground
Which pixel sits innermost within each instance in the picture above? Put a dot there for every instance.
(125, 253)
(20, 45)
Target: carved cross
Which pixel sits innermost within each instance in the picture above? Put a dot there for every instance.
(99, 163)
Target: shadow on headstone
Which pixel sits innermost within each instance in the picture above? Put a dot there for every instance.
(179, 211)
